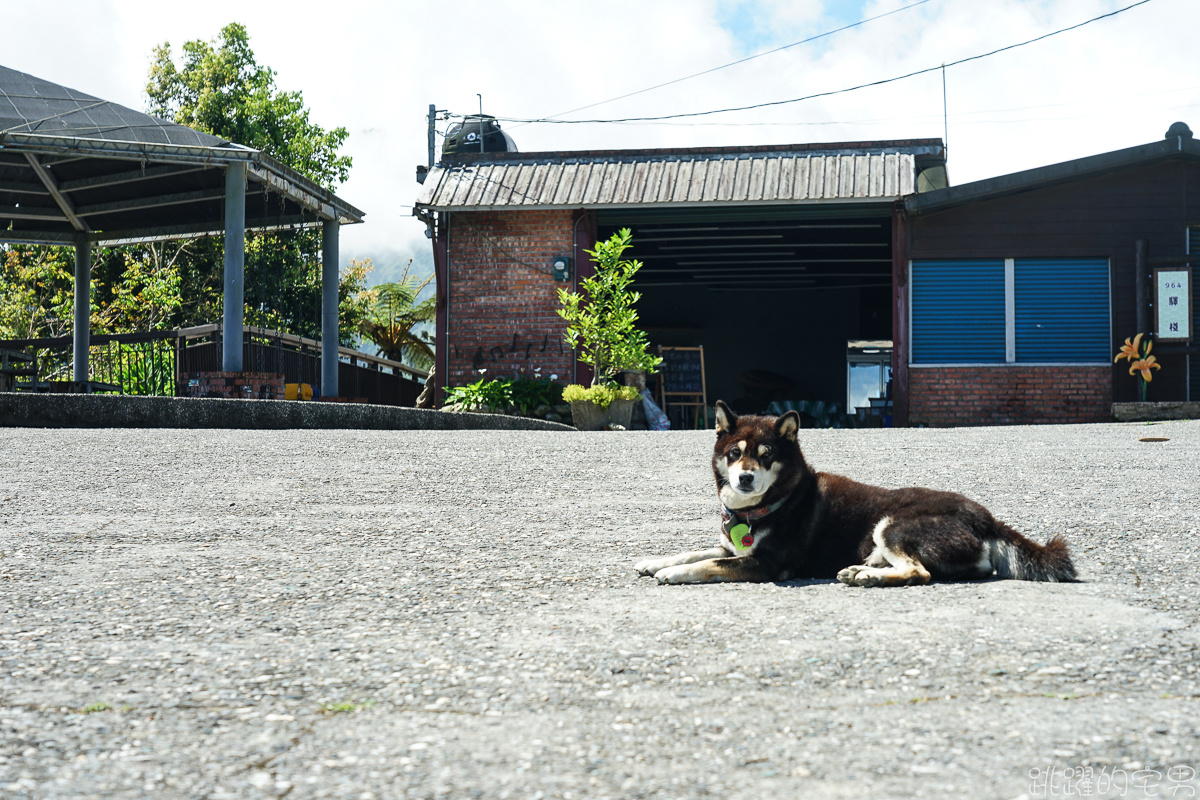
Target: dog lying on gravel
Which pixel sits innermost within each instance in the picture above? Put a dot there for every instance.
(781, 520)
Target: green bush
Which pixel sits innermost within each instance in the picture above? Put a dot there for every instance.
(601, 395)
(528, 393)
(499, 394)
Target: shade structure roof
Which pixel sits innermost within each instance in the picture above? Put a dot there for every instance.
(730, 176)
(71, 163)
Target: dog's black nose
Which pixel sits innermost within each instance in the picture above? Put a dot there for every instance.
(746, 480)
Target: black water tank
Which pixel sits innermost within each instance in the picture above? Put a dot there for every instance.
(463, 137)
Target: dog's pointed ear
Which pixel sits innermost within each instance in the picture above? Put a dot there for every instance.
(787, 425)
(726, 419)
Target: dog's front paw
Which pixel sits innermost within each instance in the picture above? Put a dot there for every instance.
(847, 575)
(649, 566)
(684, 573)
(861, 575)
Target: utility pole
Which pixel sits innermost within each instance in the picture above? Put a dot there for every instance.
(432, 130)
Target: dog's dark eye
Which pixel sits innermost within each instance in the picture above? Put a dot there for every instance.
(735, 453)
(766, 452)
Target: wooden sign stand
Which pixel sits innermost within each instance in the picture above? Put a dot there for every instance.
(682, 383)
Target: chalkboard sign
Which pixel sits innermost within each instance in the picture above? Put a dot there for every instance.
(683, 370)
(681, 385)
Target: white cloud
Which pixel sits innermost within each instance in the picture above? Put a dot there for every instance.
(375, 66)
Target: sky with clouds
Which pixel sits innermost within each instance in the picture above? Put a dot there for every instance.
(374, 67)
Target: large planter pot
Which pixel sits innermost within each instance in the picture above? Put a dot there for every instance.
(634, 378)
(587, 416)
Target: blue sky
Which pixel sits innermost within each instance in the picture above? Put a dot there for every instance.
(757, 27)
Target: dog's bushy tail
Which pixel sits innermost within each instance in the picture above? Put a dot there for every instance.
(1014, 556)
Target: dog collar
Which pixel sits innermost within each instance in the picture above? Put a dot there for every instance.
(738, 524)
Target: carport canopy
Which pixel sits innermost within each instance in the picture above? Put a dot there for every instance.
(78, 170)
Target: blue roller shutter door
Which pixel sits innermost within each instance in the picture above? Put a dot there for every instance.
(958, 312)
(1061, 310)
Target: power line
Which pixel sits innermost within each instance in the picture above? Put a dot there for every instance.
(735, 63)
(552, 121)
(960, 117)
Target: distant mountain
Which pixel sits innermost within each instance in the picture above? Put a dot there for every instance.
(390, 264)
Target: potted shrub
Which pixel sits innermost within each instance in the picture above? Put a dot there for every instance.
(602, 326)
(596, 407)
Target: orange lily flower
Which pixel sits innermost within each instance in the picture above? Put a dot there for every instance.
(1130, 350)
(1144, 365)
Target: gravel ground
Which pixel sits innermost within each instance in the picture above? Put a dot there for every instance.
(361, 614)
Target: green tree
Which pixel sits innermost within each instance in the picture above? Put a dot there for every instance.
(145, 294)
(601, 318)
(393, 314)
(37, 292)
(220, 88)
(37, 299)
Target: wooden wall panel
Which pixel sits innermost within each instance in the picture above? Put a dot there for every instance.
(1099, 216)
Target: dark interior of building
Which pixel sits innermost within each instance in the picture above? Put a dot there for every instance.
(773, 295)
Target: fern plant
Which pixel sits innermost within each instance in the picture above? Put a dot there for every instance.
(393, 313)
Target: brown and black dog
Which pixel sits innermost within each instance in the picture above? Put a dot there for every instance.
(782, 520)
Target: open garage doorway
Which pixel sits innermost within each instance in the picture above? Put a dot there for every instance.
(773, 294)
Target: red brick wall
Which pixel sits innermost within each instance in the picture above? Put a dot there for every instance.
(1008, 395)
(244, 385)
(502, 298)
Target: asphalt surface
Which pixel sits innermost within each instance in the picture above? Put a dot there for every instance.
(429, 614)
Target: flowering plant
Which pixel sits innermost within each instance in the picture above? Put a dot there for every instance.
(1140, 361)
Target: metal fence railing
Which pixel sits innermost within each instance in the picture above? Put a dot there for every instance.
(158, 363)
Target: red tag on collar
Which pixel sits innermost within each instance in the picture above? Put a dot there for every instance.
(755, 513)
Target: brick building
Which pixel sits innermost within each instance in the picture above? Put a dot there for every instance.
(1004, 299)
(800, 236)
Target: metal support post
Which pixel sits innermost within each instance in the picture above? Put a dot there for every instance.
(1141, 286)
(235, 266)
(329, 308)
(83, 306)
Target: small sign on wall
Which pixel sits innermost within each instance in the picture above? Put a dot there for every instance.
(1173, 304)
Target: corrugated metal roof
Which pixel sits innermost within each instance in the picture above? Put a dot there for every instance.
(635, 180)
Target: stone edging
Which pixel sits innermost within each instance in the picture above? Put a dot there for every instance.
(1141, 412)
(30, 410)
